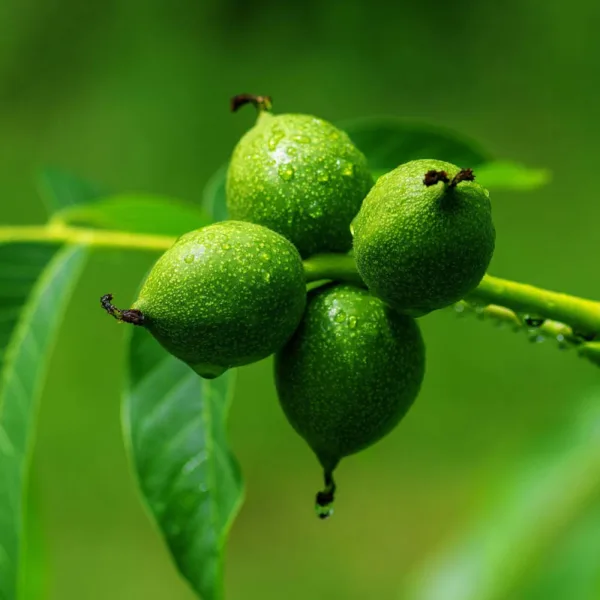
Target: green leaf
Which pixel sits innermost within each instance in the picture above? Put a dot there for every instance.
(175, 427)
(60, 189)
(506, 175)
(527, 514)
(571, 570)
(213, 199)
(136, 213)
(388, 142)
(36, 282)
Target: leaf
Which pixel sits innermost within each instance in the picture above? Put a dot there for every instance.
(572, 569)
(60, 189)
(506, 175)
(136, 213)
(36, 282)
(213, 199)
(526, 514)
(388, 142)
(174, 424)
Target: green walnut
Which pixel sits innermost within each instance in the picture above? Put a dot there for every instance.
(222, 296)
(424, 236)
(299, 176)
(348, 375)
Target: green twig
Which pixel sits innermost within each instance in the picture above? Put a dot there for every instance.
(571, 320)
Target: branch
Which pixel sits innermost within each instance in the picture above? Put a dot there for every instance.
(59, 233)
(582, 315)
(572, 321)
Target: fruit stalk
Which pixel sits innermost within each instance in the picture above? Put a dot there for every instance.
(129, 315)
(261, 103)
(325, 498)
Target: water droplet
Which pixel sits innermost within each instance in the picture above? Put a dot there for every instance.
(533, 321)
(536, 338)
(479, 310)
(352, 320)
(340, 317)
(322, 176)
(189, 259)
(286, 172)
(225, 246)
(348, 170)
(265, 256)
(562, 342)
(274, 140)
(314, 210)
(268, 277)
(459, 308)
(292, 150)
(324, 512)
(334, 135)
(302, 139)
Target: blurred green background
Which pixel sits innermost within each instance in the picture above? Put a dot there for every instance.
(135, 95)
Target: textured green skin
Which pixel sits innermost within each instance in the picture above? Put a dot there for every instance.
(350, 372)
(236, 302)
(301, 177)
(422, 248)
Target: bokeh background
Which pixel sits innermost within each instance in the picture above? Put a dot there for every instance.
(134, 95)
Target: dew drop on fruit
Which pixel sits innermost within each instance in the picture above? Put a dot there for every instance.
(292, 150)
(189, 259)
(352, 320)
(286, 172)
(348, 170)
(314, 210)
(340, 317)
(302, 139)
(322, 176)
(275, 139)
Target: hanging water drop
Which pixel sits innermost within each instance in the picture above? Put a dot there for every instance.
(533, 321)
(324, 499)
